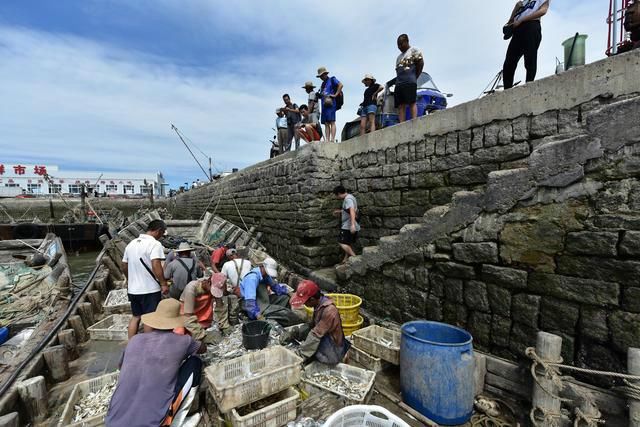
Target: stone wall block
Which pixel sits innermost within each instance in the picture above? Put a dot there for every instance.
(545, 124)
(520, 127)
(627, 128)
(426, 180)
(390, 154)
(631, 299)
(499, 154)
(450, 162)
(454, 291)
(443, 195)
(491, 135)
(584, 291)
(506, 188)
(630, 244)
(477, 135)
(505, 133)
(468, 175)
(625, 330)
(592, 243)
(441, 145)
(464, 140)
(480, 328)
(433, 309)
(452, 269)
(558, 315)
(455, 314)
(526, 309)
(500, 330)
(476, 296)
(569, 121)
(420, 150)
(499, 300)
(402, 153)
(470, 253)
(452, 143)
(429, 146)
(593, 324)
(504, 276)
(598, 268)
(522, 336)
(390, 170)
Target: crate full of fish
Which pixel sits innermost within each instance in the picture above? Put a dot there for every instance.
(253, 376)
(350, 382)
(111, 328)
(117, 301)
(89, 401)
(366, 360)
(380, 342)
(274, 411)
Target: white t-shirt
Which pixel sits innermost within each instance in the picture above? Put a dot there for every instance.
(140, 282)
(528, 7)
(231, 268)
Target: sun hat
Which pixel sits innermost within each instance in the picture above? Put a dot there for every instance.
(306, 289)
(368, 76)
(218, 284)
(308, 84)
(321, 71)
(271, 267)
(167, 315)
(183, 247)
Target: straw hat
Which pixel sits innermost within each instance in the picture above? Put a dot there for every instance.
(321, 71)
(183, 247)
(308, 84)
(167, 315)
(368, 76)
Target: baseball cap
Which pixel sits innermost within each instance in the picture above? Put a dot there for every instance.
(231, 252)
(218, 281)
(271, 267)
(306, 289)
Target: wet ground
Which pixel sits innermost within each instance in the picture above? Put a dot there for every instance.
(81, 265)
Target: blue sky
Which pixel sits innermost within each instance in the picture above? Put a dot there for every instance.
(90, 84)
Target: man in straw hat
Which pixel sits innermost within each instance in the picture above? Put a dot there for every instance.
(142, 266)
(313, 103)
(331, 88)
(369, 105)
(158, 370)
(182, 270)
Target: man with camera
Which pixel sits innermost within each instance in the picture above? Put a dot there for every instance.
(292, 113)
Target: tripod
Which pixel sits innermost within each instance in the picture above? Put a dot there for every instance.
(494, 84)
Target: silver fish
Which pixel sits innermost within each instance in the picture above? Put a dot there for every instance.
(117, 297)
(339, 384)
(95, 403)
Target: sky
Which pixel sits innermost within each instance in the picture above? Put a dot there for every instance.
(96, 84)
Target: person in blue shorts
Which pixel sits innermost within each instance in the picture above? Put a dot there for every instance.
(369, 105)
(331, 88)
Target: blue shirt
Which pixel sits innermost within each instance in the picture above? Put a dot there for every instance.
(250, 282)
(330, 87)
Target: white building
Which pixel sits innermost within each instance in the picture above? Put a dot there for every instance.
(31, 179)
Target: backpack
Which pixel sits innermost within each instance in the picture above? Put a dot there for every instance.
(177, 290)
(339, 98)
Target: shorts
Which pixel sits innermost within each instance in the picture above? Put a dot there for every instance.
(347, 238)
(369, 109)
(144, 303)
(406, 94)
(328, 113)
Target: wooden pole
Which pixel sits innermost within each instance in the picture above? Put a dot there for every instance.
(86, 313)
(96, 300)
(33, 394)
(67, 338)
(633, 367)
(113, 267)
(79, 330)
(548, 347)
(57, 361)
(10, 420)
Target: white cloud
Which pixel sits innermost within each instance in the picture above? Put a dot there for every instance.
(73, 100)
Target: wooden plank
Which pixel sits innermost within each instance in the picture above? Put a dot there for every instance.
(479, 372)
(507, 369)
(522, 390)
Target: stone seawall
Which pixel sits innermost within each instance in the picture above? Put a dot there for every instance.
(511, 214)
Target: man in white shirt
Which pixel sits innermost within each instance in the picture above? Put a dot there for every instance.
(409, 65)
(524, 25)
(142, 265)
(227, 307)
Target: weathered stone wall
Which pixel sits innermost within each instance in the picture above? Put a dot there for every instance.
(507, 215)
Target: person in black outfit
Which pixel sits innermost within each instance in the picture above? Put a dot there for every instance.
(525, 32)
(368, 107)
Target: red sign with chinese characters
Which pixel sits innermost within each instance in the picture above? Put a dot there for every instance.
(19, 169)
(40, 170)
(1, 169)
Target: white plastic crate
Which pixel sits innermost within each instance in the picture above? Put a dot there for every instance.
(351, 373)
(111, 328)
(111, 305)
(366, 360)
(364, 415)
(79, 391)
(254, 376)
(275, 415)
(380, 342)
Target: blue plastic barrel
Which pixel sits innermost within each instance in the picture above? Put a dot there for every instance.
(4, 334)
(436, 371)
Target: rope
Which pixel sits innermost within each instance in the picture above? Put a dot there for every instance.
(209, 204)
(549, 419)
(589, 420)
(235, 204)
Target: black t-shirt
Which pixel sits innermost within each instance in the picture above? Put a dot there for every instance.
(293, 118)
(368, 95)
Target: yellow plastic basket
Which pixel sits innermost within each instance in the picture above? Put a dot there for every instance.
(348, 306)
(349, 328)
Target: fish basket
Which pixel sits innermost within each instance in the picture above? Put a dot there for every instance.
(348, 306)
(380, 342)
(113, 303)
(79, 391)
(364, 415)
(352, 374)
(349, 328)
(275, 415)
(366, 360)
(254, 376)
(111, 328)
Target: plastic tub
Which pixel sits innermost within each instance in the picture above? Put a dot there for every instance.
(117, 302)
(578, 55)
(348, 306)
(255, 334)
(352, 373)
(111, 328)
(436, 371)
(380, 342)
(79, 391)
(364, 415)
(349, 328)
(275, 415)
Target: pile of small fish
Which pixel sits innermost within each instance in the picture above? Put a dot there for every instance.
(340, 384)
(305, 422)
(93, 404)
(385, 342)
(231, 346)
(117, 297)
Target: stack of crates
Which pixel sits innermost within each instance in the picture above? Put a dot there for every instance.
(266, 374)
(375, 347)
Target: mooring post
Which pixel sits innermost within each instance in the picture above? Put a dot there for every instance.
(57, 361)
(33, 394)
(75, 322)
(548, 348)
(67, 338)
(85, 310)
(95, 299)
(633, 367)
